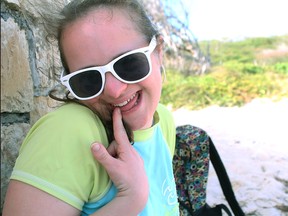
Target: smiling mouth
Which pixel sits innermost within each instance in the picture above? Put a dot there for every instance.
(130, 103)
(125, 102)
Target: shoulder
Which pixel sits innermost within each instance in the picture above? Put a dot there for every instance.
(56, 157)
(72, 111)
(71, 124)
(167, 125)
(165, 115)
(70, 118)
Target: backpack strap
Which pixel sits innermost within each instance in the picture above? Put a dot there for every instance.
(212, 211)
(224, 180)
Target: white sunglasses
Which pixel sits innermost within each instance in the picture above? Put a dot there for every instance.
(131, 67)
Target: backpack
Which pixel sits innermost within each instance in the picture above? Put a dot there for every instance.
(193, 151)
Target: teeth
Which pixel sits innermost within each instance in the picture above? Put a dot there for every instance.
(125, 102)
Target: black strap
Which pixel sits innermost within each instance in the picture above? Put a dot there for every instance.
(225, 208)
(212, 211)
(224, 180)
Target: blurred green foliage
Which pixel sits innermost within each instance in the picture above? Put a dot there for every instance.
(240, 72)
(281, 67)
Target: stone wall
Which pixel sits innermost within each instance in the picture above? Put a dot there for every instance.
(27, 75)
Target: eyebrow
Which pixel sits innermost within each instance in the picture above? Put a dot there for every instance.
(90, 66)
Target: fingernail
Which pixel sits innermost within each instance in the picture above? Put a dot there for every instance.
(95, 147)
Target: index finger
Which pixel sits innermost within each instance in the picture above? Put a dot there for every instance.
(118, 128)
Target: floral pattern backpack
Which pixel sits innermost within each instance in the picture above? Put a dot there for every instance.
(193, 151)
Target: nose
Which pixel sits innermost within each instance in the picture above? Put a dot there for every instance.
(113, 87)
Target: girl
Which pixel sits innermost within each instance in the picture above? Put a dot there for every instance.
(112, 60)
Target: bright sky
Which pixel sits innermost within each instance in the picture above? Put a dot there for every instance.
(237, 19)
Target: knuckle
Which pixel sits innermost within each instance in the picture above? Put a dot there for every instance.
(102, 156)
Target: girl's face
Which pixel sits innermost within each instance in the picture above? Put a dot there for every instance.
(97, 39)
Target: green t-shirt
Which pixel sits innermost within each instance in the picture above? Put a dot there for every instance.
(56, 156)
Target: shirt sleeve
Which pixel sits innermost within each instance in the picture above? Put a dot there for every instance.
(56, 158)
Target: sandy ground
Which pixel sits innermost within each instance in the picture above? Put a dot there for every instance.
(253, 143)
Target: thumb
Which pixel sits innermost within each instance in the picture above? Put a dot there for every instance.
(101, 154)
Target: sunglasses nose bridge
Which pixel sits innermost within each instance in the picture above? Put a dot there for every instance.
(107, 68)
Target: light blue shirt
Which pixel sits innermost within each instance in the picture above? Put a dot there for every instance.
(157, 158)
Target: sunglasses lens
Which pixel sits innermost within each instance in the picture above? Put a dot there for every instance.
(86, 84)
(132, 67)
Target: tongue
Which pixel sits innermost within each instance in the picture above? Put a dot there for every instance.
(130, 105)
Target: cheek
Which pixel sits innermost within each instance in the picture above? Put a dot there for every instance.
(157, 81)
(156, 61)
(156, 77)
(153, 85)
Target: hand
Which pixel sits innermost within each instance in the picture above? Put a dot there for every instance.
(124, 166)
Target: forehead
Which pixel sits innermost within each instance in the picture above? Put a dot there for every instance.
(98, 37)
(105, 20)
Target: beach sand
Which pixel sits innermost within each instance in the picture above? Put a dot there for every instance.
(252, 141)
